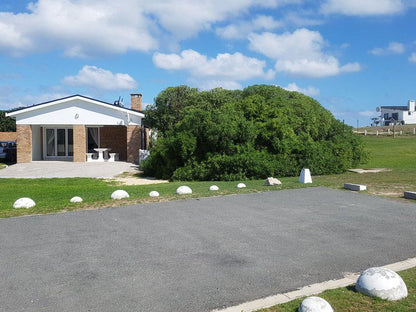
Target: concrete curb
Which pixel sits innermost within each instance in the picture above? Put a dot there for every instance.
(310, 290)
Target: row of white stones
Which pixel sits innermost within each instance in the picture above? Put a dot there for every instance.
(25, 202)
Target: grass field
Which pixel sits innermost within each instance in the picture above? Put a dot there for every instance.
(53, 195)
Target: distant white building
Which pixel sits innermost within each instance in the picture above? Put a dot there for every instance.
(404, 115)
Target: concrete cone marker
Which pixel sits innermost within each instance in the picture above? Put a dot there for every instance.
(305, 176)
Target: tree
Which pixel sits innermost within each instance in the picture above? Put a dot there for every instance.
(254, 133)
(7, 124)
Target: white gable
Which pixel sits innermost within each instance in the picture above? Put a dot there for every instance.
(76, 110)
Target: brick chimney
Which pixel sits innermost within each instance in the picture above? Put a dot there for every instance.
(136, 101)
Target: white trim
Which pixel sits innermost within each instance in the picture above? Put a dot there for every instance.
(75, 97)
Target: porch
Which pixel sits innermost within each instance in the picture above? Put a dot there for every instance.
(78, 143)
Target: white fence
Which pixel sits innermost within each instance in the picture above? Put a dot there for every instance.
(387, 132)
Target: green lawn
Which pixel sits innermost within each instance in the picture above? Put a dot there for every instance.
(389, 152)
(53, 195)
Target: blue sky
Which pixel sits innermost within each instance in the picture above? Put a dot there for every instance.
(351, 56)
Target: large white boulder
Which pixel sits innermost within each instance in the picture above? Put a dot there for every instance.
(315, 304)
(382, 283)
(76, 199)
(305, 176)
(154, 194)
(272, 181)
(24, 202)
(214, 188)
(119, 194)
(183, 190)
(241, 185)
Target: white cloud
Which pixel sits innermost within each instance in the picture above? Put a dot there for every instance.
(226, 70)
(412, 58)
(300, 53)
(242, 29)
(185, 18)
(362, 8)
(310, 91)
(392, 48)
(100, 79)
(301, 18)
(369, 113)
(82, 28)
(79, 28)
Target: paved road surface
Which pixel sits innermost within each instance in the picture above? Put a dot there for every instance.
(198, 254)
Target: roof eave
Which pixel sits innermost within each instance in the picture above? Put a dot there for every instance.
(70, 98)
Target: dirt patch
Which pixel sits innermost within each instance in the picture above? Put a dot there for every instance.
(133, 178)
(371, 170)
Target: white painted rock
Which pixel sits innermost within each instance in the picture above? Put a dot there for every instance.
(305, 176)
(154, 194)
(120, 194)
(241, 185)
(183, 190)
(315, 304)
(272, 181)
(24, 202)
(382, 283)
(76, 199)
(214, 188)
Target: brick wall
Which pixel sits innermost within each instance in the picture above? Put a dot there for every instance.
(80, 143)
(133, 143)
(114, 137)
(24, 143)
(8, 136)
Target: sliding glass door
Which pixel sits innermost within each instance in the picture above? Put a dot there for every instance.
(59, 143)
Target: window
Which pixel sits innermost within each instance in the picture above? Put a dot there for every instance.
(93, 139)
(59, 142)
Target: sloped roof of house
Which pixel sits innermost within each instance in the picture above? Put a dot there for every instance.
(402, 108)
(73, 97)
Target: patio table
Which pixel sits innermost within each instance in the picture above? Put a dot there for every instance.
(101, 151)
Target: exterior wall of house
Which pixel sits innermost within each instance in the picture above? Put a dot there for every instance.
(8, 136)
(37, 143)
(80, 143)
(77, 112)
(134, 142)
(115, 137)
(408, 117)
(120, 128)
(24, 143)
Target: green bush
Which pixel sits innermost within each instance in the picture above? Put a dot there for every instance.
(251, 134)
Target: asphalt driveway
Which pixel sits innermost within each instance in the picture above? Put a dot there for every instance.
(198, 254)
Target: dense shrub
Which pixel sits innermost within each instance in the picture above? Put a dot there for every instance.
(251, 134)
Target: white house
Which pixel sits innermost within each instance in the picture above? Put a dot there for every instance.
(400, 114)
(69, 128)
